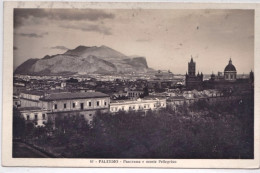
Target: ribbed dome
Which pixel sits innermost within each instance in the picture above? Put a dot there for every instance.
(230, 67)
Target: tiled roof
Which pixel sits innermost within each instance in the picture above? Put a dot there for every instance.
(70, 96)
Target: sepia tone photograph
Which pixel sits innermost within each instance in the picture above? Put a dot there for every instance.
(133, 84)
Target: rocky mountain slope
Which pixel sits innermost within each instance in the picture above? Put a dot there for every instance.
(84, 60)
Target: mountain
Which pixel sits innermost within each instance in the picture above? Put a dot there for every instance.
(84, 60)
(26, 66)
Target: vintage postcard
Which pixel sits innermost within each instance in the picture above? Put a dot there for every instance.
(156, 85)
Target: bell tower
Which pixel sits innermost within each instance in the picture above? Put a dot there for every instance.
(191, 67)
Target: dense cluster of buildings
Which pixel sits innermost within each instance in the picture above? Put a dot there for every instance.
(39, 107)
(40, 99)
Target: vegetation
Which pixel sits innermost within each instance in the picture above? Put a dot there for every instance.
(200, 130)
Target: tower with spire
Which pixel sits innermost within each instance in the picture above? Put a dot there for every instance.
(191, 67)
(192, 80)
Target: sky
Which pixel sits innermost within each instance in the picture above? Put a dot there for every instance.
(167, 38)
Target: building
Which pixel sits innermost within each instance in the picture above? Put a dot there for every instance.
(36, 115)
(192, 80)
(144, 104)
(251, 77)
(230, 72)
(135, 94)
(16, 102)
(72, 104)
(30, 98)
(62, 104)
(162, 79)
(230, 81)
(164, 75)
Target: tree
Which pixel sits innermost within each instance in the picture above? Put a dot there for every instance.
(18, 124)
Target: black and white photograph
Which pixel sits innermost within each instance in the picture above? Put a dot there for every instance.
(133, 84)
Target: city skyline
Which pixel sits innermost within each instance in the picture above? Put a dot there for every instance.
(172, 36)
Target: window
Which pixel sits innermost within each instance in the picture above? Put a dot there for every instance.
(90, 115)
(28, 117)
(112, 109)
(81, 105)
(123, 108)
(55, 106)
(133, 107)
(97, 103)
(115, 109)
(65, 105)
(73, 105)
(36, 116)
(43, 116)
(105, 103)
(89, 104)
(144, 106)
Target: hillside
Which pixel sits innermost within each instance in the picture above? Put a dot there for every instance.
(84, 60)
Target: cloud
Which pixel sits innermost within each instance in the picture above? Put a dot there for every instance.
(60, 47)
(33, 35)
(23, 15)
(143, 40)
(92, 28)
(15, 48)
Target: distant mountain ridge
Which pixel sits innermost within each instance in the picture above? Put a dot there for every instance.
(84, 60)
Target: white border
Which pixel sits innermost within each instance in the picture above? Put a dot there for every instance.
(7, 160)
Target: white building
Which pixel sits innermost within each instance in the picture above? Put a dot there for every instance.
(138, 105)
(62, 104)
(70, 104)
(31, 98)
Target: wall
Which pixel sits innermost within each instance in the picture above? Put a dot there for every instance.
(103, 104)
(40, 117)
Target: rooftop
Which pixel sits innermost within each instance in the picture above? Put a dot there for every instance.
(136, 101)
(230, 67)
(70, 96)
(33, 92)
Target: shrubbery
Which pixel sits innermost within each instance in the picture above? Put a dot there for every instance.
(218, 130)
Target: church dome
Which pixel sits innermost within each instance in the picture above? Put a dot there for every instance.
(230, 67)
